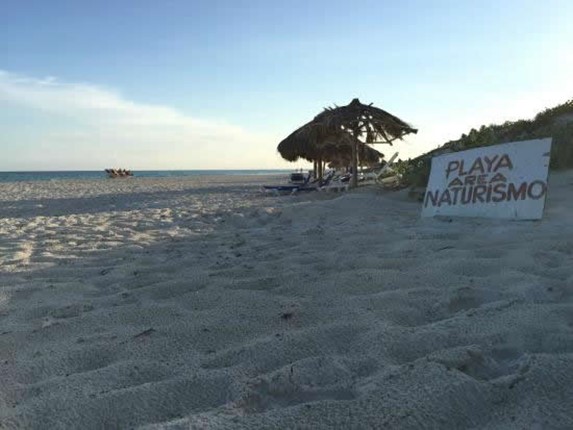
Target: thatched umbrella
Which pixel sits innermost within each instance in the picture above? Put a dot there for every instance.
(317, 144)
(372, 124)
(341, 155)
(335, 148)
(295, 146)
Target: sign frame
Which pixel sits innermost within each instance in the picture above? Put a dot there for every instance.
(507, 181)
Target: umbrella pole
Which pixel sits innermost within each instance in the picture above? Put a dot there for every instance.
(354, 182)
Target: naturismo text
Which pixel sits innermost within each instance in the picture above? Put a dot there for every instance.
(483, 181)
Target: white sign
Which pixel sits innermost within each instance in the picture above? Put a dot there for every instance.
(501, 181)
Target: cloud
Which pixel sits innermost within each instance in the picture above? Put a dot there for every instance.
(64, 125)
(84, 126)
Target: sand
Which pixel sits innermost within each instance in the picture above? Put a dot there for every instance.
(202, 303)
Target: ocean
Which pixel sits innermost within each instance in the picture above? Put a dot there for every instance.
(47, 176)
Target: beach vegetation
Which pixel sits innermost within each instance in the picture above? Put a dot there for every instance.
(555, 122)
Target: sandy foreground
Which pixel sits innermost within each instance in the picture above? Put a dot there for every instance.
(201, 303)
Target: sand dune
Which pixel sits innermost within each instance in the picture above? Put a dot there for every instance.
(182, 303)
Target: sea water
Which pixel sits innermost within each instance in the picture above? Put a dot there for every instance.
(46, 176)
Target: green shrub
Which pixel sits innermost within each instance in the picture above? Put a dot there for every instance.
(416, 172)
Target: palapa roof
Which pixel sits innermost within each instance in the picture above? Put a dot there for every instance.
(341, 127)
(324, 145)
(342, 154)
(364, 121)
(296, 146)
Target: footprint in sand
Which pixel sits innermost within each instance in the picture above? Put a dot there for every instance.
(71, 311)
(308, 380)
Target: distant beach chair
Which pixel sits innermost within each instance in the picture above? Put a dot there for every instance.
(118, 173)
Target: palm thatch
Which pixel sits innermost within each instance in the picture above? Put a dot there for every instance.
(309, 142)
(325, 146)
(366, 122)
(370, 123)
(295, 146)
(341, 155)
(343, 127)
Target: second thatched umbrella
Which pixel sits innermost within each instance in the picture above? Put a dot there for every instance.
(325, 146)
(340, 155)
(318, 144)
(360, 121)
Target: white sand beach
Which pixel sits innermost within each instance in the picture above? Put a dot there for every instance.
(202, 303)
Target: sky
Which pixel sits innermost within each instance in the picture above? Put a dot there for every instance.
(217, 84)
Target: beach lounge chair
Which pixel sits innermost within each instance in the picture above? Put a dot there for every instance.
(384, 169)
(282, 189)
(298, 178)
(336, 183)
(296, 188)
(286, 189)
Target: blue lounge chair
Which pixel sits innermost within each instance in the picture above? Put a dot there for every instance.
(295, 188)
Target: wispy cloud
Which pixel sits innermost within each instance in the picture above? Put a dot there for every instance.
(89, 127)
(66, 125)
